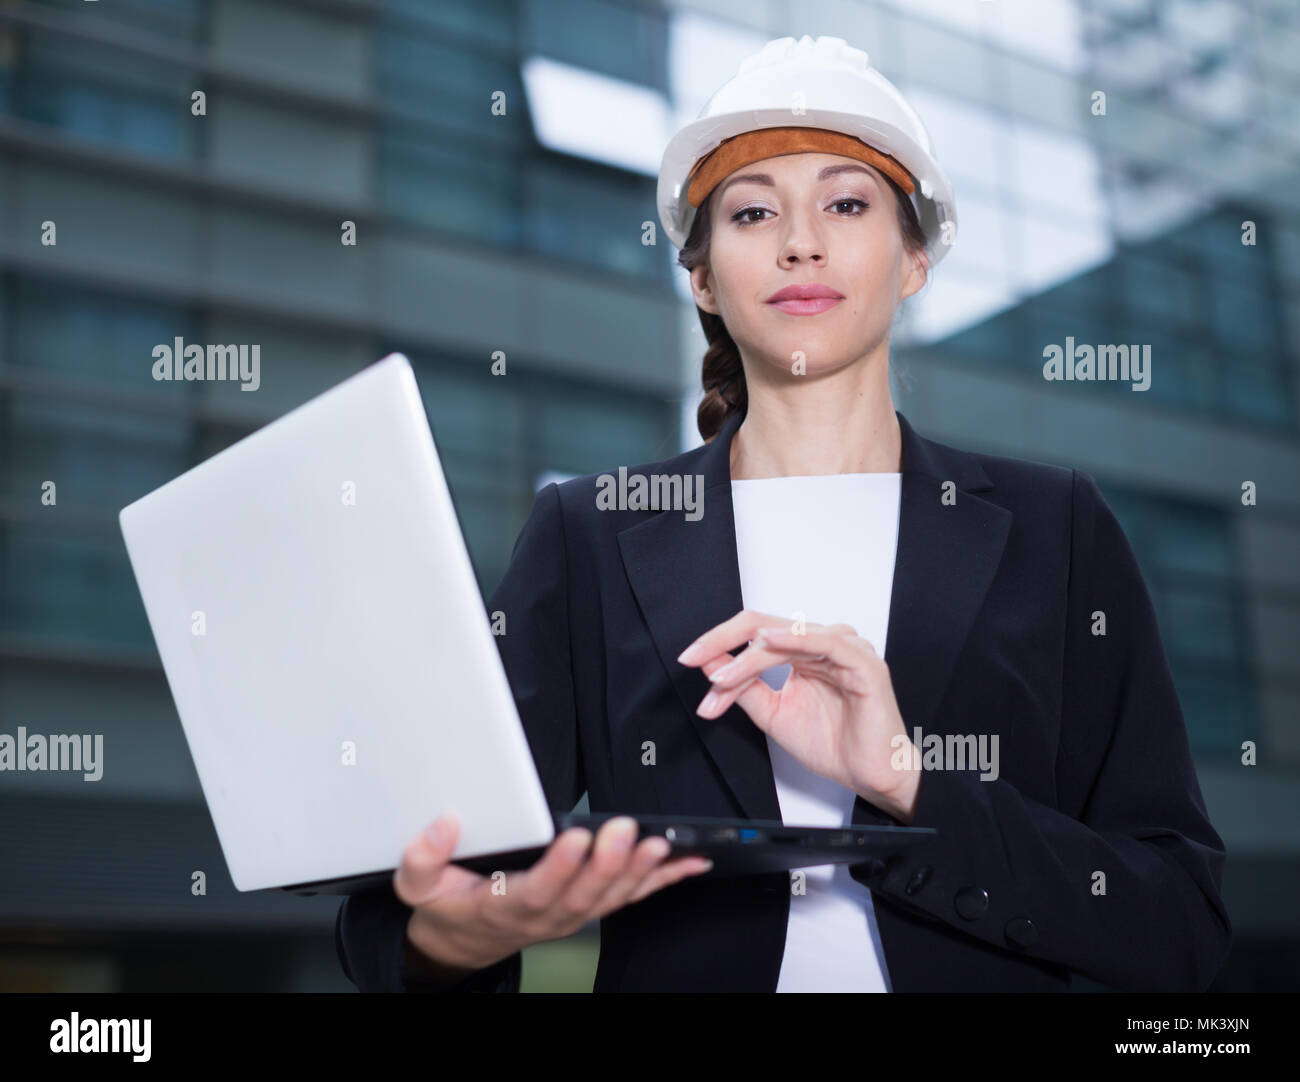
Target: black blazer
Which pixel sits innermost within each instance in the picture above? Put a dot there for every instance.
(990, 631)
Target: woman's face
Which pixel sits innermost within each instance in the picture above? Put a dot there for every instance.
(806, 219)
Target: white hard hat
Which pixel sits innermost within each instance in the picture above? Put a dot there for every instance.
(824, 84)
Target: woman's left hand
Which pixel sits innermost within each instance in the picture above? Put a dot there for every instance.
(836, 713)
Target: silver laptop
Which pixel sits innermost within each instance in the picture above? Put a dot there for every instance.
(334, 669)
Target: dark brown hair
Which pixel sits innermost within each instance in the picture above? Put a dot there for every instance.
(723, 373)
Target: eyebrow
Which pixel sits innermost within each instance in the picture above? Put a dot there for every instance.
(766, 178)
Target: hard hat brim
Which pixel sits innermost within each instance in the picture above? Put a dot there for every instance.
(933, 197)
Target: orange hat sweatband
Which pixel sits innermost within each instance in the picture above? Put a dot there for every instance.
(753, 146)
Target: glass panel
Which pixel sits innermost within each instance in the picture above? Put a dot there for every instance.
(592, 218)
(993, 341)
(585, 434)
(490, 21)
(497, 434)
(450, 87)
(627, 41)
(94, 336)
(477, 417)
(105, 96)
(98, 458)
(181, 20)
(1200, 624)
(1184, 371)
(1192, 572)
(1244, 318)
(1218, 707)
(1158, 287)
(441, 186)
(1258, 388)
(69, 587)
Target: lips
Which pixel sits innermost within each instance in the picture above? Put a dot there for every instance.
(805, 300)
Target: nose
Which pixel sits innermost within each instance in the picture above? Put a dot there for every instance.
(802, 245)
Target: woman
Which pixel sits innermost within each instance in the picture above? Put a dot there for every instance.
(735, 665)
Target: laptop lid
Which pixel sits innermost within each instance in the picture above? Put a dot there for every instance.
(325, 641)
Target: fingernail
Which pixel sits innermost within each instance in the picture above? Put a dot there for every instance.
(574, 851)
(710, 701)
(438, 831)
(688, 656)
(707, 866)
(723, 673)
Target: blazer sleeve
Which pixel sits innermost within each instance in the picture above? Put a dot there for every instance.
(370, 929)
(1128, 806)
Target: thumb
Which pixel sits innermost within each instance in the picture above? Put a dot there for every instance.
(760, 702)
(425, 872)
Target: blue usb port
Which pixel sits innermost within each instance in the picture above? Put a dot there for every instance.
(747, 834)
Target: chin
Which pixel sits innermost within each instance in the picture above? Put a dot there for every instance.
(821, 367)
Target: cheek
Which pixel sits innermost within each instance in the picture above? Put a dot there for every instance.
(739, 268)
(739, 287)
(873, 287)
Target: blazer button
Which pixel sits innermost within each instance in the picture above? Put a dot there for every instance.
(1020, 932)
(971, 902)
(918, 880)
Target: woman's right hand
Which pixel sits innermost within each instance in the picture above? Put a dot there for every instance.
(459, 924)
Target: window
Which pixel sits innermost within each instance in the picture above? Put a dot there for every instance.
(1193, 573)
(437, 184)
(97, 337)
(67, 576)
(591, 217)
(65, 585)
(102, 95)
(627, 41)
(180, 20)
(496, 435)
(445, 161)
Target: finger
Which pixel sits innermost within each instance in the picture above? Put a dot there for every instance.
(609, 858)
(542, 885)
(729, 634)
(811, 666)
(425, 872)
(836, 648)
(754, 696)
(648, 855)
(725, 672)
(799, 658)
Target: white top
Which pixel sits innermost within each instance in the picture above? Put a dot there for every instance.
(821, 549)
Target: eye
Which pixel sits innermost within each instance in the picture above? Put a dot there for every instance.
(740, 216)
(744, 216)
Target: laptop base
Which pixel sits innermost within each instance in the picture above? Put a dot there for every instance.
(736, 847)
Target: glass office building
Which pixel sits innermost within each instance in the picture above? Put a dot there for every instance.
(1125, 174)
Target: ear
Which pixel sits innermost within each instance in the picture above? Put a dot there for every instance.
(701, 287)
(918, 270)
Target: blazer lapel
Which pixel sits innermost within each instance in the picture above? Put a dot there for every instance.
(686, 579)
(948, 551)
